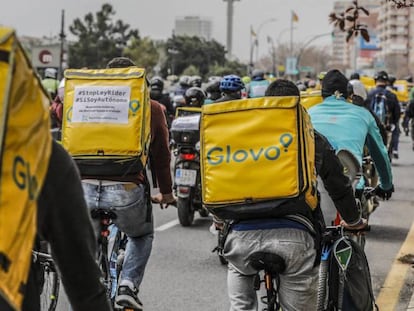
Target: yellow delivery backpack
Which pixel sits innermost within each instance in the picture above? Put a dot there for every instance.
(258, 158)
(25, 148)
(106, 120)
(310, 99)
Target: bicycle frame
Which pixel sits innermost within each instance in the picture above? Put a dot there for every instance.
(51, 283)
(109, 260)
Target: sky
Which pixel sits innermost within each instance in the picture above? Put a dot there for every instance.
(155, 18)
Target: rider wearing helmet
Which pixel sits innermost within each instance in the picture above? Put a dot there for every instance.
(213, 91)
(194, 97)
(157, 93)
(231, 87)
(195, 81)
(183, 85)
(50, 82)
(258, 85)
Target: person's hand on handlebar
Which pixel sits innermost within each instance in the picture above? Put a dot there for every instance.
(164, 200)
(384, 194)
(360, 225)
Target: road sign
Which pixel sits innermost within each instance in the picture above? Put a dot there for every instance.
(291, 63)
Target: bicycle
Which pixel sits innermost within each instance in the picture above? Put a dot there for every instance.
(337, 251)
(50, 279)
(272, 266)
(110, 259)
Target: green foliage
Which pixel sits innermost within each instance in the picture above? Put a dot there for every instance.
(191, 71)
(196, 56)
(143, 52)
(230, 67)
(183, 51)
(99, 39)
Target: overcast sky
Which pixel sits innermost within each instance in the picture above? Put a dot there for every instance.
(155, 18)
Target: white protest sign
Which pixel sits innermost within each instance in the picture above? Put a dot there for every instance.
(101, 104)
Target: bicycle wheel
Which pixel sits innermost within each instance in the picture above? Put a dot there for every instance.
(50, 289)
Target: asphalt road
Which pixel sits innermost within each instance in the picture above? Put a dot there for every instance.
(184, 275)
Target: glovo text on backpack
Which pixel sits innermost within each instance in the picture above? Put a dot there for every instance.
(257, 155)
(25, 152)
(106, 120)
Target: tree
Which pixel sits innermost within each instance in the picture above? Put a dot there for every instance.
(183, 51)
(348, 21)
(99, 39)
(143, 52)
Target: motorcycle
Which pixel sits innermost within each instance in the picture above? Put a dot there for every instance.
(185, 135)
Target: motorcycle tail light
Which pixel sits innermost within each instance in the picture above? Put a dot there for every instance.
(188, 156)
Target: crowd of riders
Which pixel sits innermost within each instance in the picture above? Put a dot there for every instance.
(193, 91)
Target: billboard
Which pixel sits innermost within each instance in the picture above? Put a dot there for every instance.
(46, 56)
(373, 44)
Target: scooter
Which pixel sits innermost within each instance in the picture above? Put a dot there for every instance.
(187, 180)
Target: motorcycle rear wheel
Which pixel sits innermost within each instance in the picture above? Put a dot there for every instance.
(185, 212)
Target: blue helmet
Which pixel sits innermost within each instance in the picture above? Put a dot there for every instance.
(231, 83)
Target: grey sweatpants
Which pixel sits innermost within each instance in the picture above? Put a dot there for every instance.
(298, 283)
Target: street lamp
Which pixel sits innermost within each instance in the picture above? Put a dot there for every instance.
(302, 49)
(268, 21)
(256, 39)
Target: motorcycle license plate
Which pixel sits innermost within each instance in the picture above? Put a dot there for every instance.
(185, 177)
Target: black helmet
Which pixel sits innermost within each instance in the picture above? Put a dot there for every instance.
(194, 97)
(381, 76)
(392, 79)
(195, 81)
(157, 83)
(213, 89)
(354, 76)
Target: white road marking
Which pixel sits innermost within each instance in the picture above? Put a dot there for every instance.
(167, 225)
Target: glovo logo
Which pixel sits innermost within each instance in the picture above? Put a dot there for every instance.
(23, 178)
(134, 106)
(218, 155)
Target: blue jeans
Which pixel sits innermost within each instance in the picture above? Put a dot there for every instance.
(299, 281)
(134, 217)
(395, 137)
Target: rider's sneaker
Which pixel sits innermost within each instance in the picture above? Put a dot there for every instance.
(128, 297)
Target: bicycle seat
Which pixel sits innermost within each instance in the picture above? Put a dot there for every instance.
(102, 213)
(267, 261)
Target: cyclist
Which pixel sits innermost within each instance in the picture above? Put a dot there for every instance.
(213, 91)
(50, 82)
(194, 97)
(409, 112)
(293, 237)
(351, 127)
(133, 191)
(231, 87)
(63, 221)
(183, 85)
(258, 84)
(157, 93)
(195, 81)
(392, 109)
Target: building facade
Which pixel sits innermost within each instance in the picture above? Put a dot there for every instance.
(193, 26)
(390, 46)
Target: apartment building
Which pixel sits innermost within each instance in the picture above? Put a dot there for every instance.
(391, 40)
(395, 27)
(193, 26)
